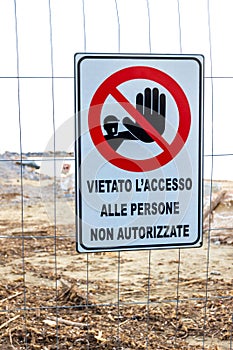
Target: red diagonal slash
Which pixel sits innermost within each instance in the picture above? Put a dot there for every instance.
(110, 87)
(140, 119)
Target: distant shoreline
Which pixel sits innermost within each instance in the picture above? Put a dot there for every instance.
(47, 154)
(70, 156)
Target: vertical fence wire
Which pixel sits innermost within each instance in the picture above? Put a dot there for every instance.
(119, 253)
(149, 251)
(118, 300)
(148, 299)
(231, 337)
(21, 174)
(54, 168)
(87, 300)
(179, 251)
(211, 176)
(84, 27)
(87, 254)
(149, 25)
(118, 28)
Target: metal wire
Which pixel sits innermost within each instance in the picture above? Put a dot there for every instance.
(119, 253)
(179, 251)
(149, 24)
(54, 166)
(118, 28)
(211, 179)
(21, 173)
(87, 254)
(84, 27)
(149, 252)
(118, 298)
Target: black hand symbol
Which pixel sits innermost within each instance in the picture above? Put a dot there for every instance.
(114, 137)
(153, 108)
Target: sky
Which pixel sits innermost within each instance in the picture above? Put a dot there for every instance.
(114, 26)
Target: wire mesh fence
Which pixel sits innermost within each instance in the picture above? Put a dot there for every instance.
(51, 297)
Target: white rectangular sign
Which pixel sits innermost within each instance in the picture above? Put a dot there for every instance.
(138, 151)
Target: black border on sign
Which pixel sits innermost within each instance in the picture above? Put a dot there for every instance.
(78, 160)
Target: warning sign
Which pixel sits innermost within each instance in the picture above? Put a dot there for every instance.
(138, 151)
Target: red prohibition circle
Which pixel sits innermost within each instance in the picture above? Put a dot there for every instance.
(109, 87)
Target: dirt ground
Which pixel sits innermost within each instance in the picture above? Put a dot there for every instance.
(160, 299)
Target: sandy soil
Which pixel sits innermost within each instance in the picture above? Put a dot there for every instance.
(157, 296)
